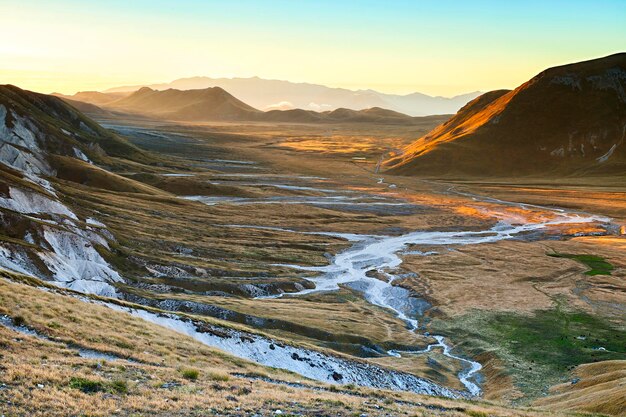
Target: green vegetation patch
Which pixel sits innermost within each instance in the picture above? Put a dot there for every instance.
(90, 386)
(538, 350)
(597, 264)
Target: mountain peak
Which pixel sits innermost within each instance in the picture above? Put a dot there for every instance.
(144, 90)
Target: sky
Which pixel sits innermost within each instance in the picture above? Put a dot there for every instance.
(441, 47)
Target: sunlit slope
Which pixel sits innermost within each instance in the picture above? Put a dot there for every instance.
(567, 120)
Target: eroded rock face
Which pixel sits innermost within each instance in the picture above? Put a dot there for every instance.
(58, 246)
(19, 146)
(29, 202)
(310, 363)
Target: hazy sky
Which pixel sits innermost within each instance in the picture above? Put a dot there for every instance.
(433, 46)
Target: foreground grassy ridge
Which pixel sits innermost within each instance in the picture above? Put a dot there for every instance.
(539, 350)
(169, 375)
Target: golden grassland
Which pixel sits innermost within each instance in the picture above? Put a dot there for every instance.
(39, 376)
(516, 276)
(606, 195)
(506, 276)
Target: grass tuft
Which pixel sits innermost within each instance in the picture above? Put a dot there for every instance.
(85, 385)
(474, 413)
(218, 376)
(191, 374)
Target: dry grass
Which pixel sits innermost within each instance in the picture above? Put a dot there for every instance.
(517, 276)
(46, 378)
(351, 315)
(600, 388)
(595, 195)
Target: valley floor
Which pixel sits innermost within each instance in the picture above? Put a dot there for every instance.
(511, 291)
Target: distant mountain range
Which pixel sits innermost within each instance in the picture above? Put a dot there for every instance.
(216, 104)
(567, 120)
(284, 95)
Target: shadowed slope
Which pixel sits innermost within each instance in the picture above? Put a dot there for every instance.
(30, 119)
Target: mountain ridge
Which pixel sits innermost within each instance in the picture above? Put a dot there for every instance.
(217, 104)
(267, 94)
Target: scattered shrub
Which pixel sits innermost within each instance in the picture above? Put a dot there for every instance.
(191, 374)
(86, 385)
(19, 321)
(120, 386)
(89, 386)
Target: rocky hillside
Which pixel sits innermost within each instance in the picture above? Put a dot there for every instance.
(568, 120)
(37, 124)
(42, 236)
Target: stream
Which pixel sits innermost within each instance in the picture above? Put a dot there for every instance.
(383, 255)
